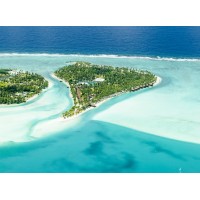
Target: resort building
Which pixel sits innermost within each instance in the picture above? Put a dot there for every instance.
(99, 79)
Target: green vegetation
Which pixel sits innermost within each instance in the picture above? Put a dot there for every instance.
(18, 86)
(91, 83)
(4, 72)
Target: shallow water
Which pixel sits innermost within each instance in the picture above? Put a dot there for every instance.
(129, 133)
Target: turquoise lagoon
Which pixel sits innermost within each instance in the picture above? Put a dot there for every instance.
(152, 130)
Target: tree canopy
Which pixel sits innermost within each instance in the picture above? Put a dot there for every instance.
(18, 86)
(87, 91)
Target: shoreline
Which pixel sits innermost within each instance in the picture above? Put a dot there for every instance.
(65, 82)
(158, 81)
(50, 84)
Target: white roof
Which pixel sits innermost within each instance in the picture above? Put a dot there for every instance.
(99, 79)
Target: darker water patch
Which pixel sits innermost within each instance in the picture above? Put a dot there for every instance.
(95, 148)
(104, 137)
(116, 163)
(156, 148)
(61, 165)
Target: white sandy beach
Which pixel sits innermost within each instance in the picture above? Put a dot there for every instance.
(19, 121)
(59, 79)
(158, 81)
(60, 122)
(50, 84)
(171, 111)
(66, 83)
(22, 116)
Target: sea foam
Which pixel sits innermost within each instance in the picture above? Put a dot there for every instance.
(100, 56)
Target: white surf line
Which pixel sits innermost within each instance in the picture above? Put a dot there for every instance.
(101, 56)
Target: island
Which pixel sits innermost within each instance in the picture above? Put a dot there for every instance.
(17, 86)
(90, 83)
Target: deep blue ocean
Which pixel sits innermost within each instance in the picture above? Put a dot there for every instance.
(173, 42)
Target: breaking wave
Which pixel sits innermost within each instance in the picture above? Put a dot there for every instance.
(101, 56)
